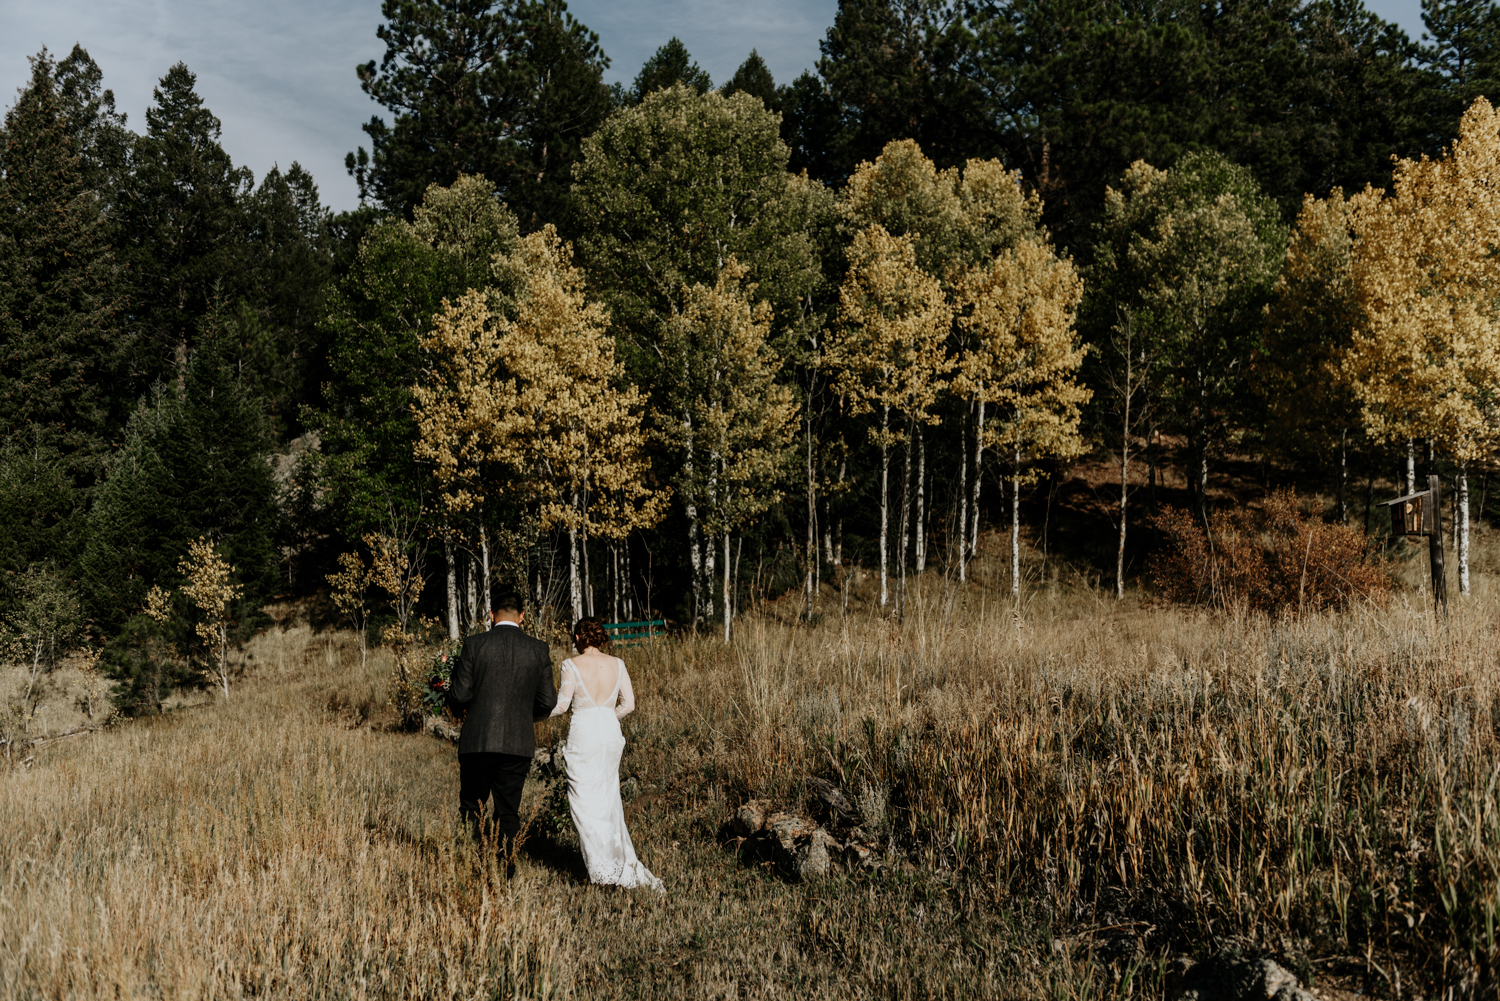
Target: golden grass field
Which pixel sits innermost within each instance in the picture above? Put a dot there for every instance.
(1081, 791)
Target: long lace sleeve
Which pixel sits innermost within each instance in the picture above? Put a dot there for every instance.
(565, 689)
(627, 694)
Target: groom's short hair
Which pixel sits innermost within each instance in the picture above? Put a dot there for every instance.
(509, 601)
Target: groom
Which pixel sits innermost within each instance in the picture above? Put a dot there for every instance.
(502, 683)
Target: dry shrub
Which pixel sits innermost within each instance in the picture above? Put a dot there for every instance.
(1282, 561)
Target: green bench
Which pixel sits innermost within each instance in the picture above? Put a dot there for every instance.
(633, 633)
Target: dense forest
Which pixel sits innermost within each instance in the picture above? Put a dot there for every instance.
(659, 349)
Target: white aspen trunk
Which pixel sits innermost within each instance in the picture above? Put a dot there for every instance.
(921, 501)
(978, 479)
(1124, 488)
(812, 521)
(452, 587)
(728, 611)
(885, 468)
(1463, 527)
(1015, 527)
(1411, 465)
(905, 533)
(471, 586)
(695, 548)
(1203, 483)
(484, 586)
(1343, 476)
(223, 651)
(575, 583)
(588, 578)
(963, 502)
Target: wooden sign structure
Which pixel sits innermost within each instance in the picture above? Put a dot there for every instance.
(1422, 514)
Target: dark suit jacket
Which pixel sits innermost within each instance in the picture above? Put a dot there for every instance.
(503, 681)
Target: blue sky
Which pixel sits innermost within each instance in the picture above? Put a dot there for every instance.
(280, 73)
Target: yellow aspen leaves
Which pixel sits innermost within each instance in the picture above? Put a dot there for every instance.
(1425, 356)
(1022, 352)
(888, 347)
(211, 591)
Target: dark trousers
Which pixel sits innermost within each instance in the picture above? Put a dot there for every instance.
(482, 773)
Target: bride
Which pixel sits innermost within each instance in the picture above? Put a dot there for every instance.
(591, 682)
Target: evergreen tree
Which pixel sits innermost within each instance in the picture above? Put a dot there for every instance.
(1463, 49)
(41, 511)
(60, 295)
(893, 66)
(668, 66)
(193, 463)
(812, 126)
(181, 228)
(272, 334)
(499, 90)
(754, 78)
(99, 133)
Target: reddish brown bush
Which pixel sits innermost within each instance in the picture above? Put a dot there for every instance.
(1280, 561)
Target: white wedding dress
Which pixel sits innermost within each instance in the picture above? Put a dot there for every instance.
(592, 758)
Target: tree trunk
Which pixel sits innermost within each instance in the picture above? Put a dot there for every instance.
(905, 533)
(1343, 476)
(1151, 447)
(962, 502)
(1124, 492)
(812, 519)
(484, 587)
(1411, 465)
(695, 548)
(978, 479)
(1015, 527)
(471, 589)
(452, 586)
(1463, 528)
(921, 501)
(728, 611)
(885, 468)
(575, 582)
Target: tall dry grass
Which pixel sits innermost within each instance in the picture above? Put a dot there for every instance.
(1074, 791)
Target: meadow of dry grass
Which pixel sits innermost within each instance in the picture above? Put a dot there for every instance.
(1079, 792)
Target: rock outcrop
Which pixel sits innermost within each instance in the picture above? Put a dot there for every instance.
(1234, 979)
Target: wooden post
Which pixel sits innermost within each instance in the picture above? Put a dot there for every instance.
(1435, 547)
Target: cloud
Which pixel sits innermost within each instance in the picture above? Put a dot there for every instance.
(280, 75)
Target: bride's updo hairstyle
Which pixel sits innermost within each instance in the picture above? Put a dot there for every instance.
(590, 633)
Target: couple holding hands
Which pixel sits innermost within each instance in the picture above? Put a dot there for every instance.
(501, 684)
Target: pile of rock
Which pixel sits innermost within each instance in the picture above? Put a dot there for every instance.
(800, 845)
(1230, 978)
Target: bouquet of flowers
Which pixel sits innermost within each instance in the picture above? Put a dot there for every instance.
(434, 688)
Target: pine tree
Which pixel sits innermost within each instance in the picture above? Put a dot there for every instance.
(668, 67)
(61, 301)
(893, 66)
(754, 78)
(193, 463)
(181, 228)
(501, 91)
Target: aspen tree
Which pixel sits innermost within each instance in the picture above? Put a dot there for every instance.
(728, 409)
(887, 351)
(460, 411)
(210, 588)
(579, 424)
(1425, 357)
(963, 219)
(1312, 314)
(1024, 359)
